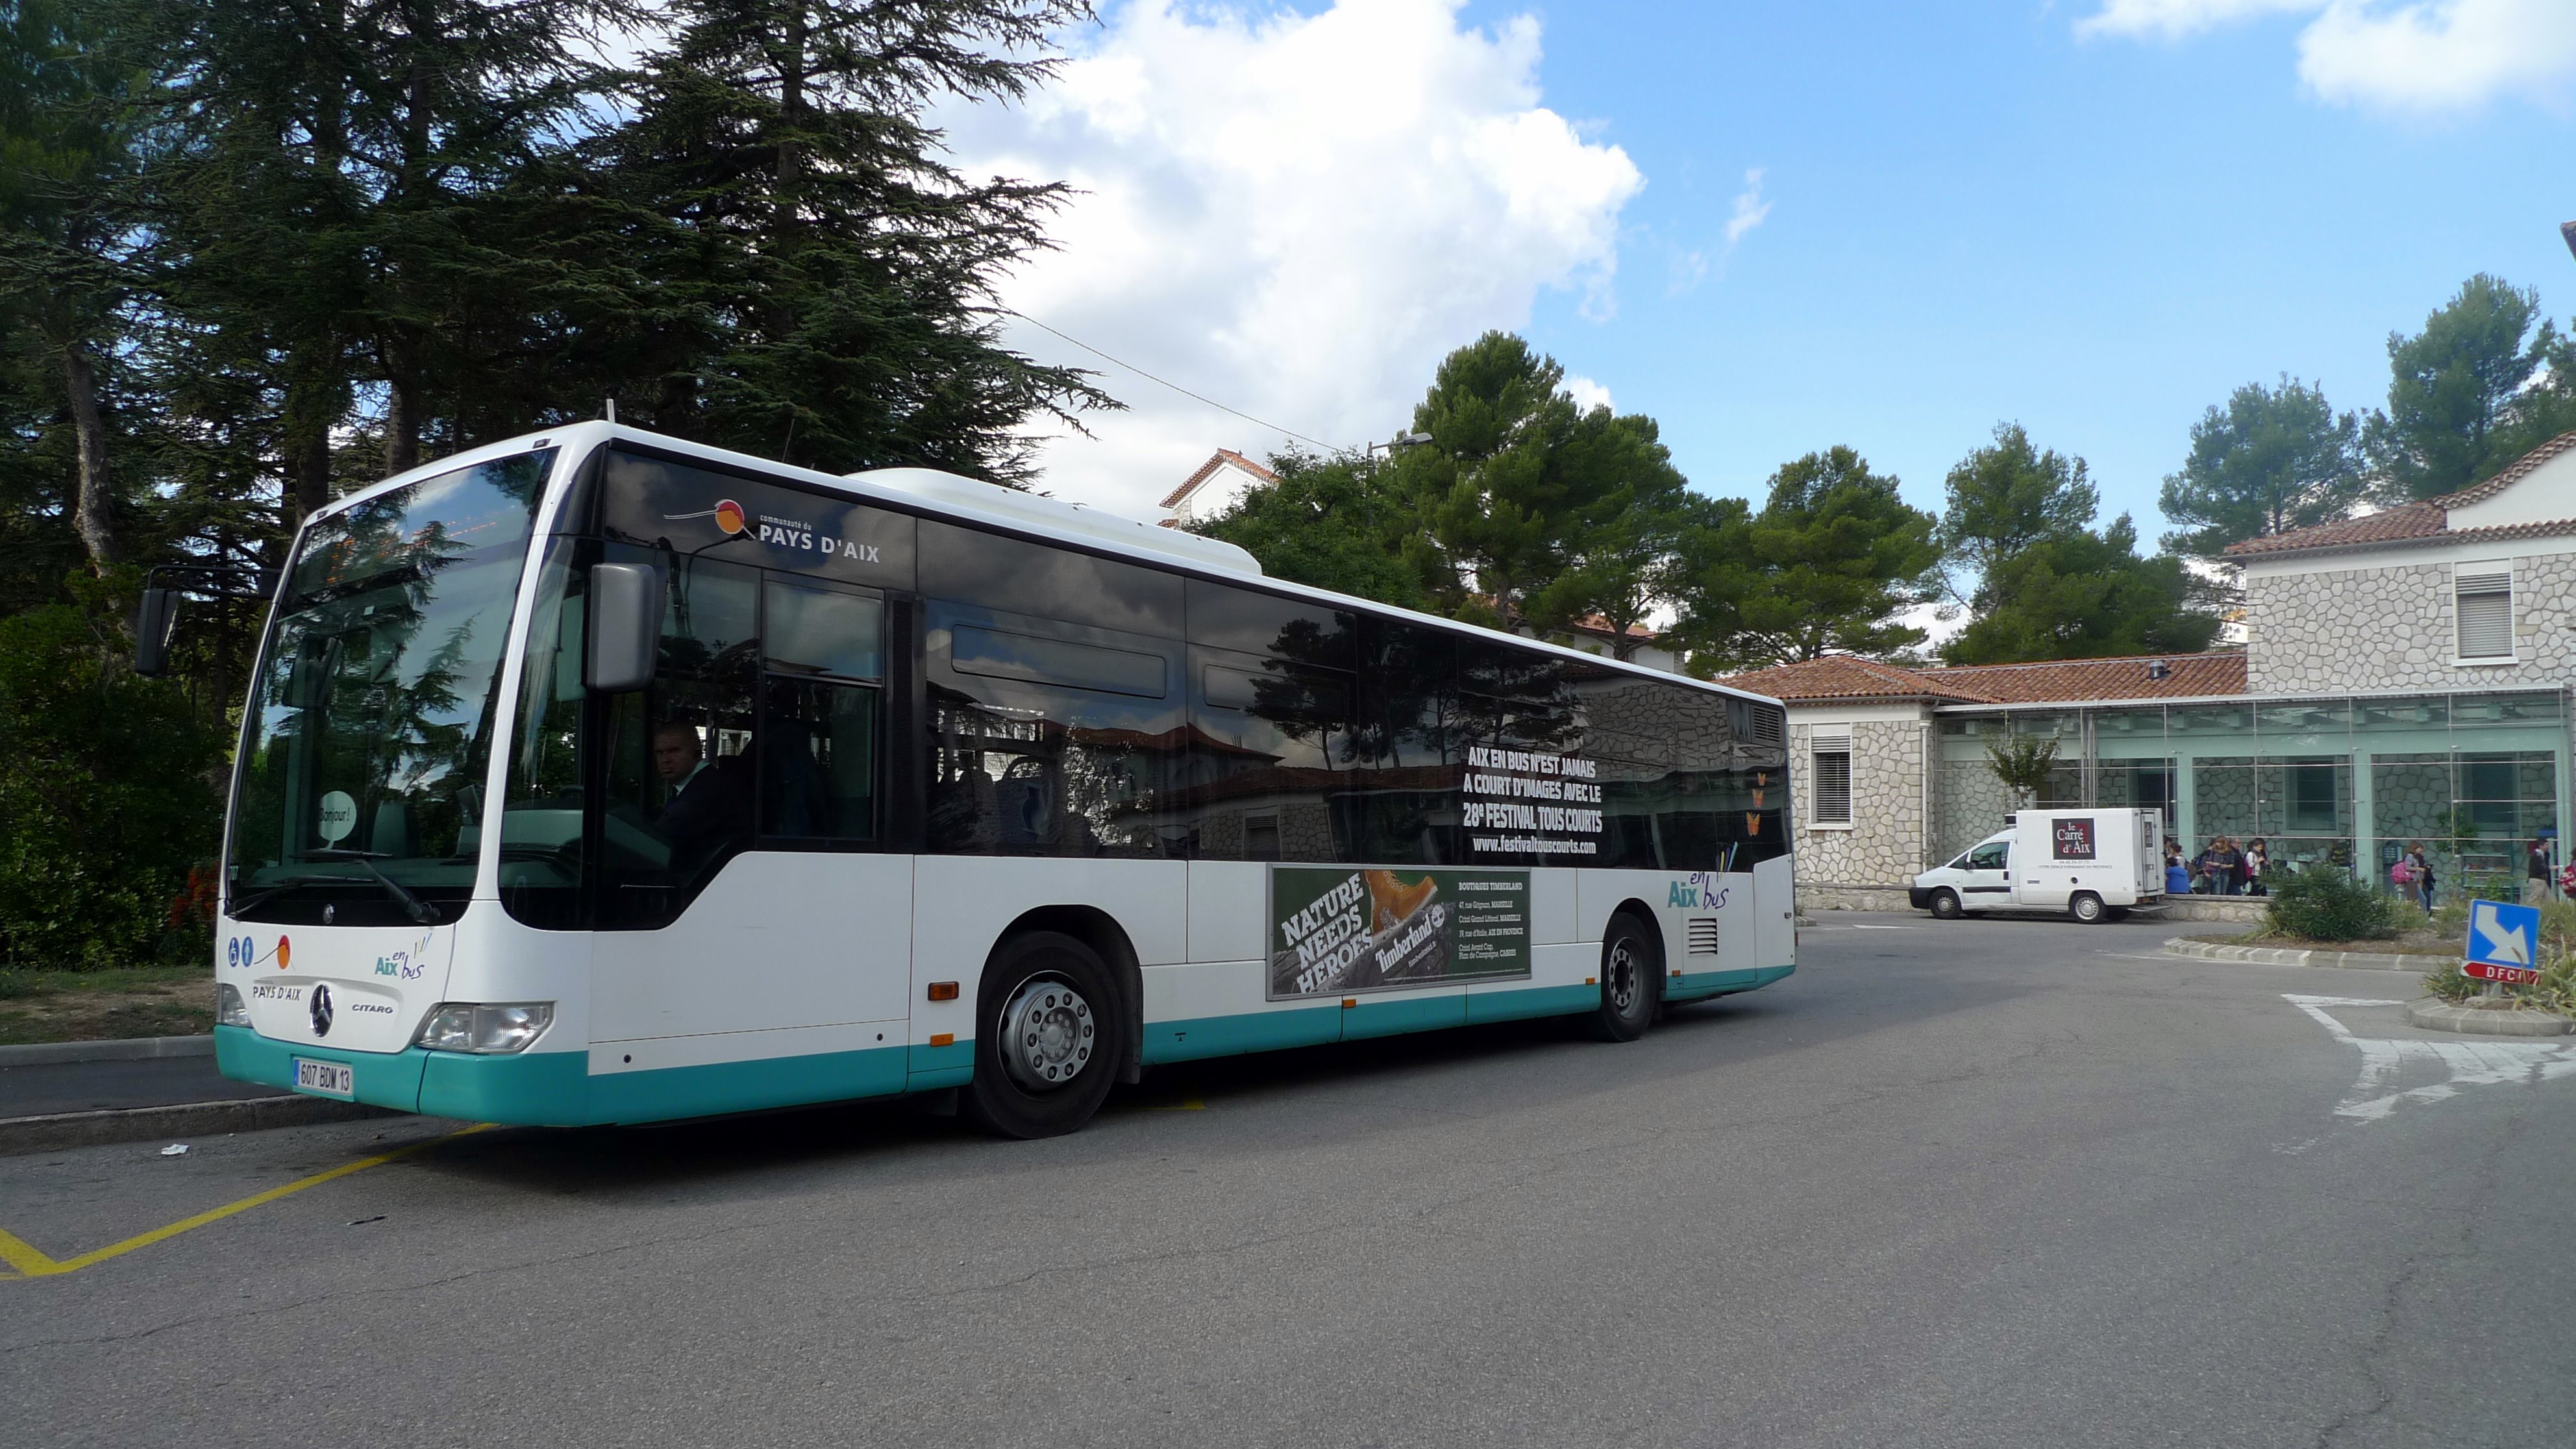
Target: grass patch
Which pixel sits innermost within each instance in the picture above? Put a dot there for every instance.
(38, 1006)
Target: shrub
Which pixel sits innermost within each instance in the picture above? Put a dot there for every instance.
(2326, 903)
(2449, 985)
(106, 799)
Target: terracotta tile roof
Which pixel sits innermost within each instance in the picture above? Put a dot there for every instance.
(1842, 676)
(2429, 519)
(1207, 470)
(2187, 676)
(2054, 681)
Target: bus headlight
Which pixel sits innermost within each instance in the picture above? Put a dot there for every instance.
(230, 1010)
(487, 1027)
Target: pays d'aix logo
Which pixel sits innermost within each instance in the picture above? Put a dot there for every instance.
(780, 532)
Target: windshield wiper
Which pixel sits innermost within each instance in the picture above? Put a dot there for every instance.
(413, 906)
(239, 904)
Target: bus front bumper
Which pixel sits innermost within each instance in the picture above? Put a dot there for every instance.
(536, 1089)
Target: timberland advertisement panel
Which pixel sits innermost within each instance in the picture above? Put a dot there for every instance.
(1336, 930)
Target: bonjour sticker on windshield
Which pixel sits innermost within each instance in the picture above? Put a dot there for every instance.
(1339, 930)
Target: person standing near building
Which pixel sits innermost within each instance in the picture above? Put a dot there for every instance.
(2231, 867)
(2535, 885)
(2423, 876)
(2177, 874)
(2258, 859)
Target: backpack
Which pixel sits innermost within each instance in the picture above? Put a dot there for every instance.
(2401, 873)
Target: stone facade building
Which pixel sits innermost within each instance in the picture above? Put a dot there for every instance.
(2406, 678)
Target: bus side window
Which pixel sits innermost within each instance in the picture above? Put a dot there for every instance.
(1048, 738)
(824, 653)
(1413, 739)
(679, 799)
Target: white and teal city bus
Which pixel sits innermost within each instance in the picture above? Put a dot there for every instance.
(595, 777)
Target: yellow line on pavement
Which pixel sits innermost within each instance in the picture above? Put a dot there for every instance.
(30, 1263)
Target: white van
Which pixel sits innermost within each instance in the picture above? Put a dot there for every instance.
(2092, 864)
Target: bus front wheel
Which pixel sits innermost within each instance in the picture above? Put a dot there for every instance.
(1049, 1037)
(1632, 980)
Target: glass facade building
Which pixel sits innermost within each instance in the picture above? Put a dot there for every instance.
(2352, 780)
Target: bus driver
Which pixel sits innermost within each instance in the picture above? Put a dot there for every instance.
(707, 808)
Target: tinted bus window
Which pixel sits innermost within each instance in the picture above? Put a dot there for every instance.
(1024, 763)
(1019, 577)
(1251, 622)
(1271, 765)
(1001, 654)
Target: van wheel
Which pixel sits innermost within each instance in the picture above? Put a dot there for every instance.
(2087, 908)
(1945, 905)
(1632, 981)
(1048, 1037)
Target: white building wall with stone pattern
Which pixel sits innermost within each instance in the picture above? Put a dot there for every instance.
(1884, 848)
(2381, 622)
(1968, 804)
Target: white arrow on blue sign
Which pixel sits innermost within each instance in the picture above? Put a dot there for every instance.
(2501, 934)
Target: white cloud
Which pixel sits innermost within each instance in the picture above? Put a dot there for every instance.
(2414, 55)
(1295, 215)
(2175, 19)
(1587, 394)
(1690, 267)
(2441, 56)
(1750, 208)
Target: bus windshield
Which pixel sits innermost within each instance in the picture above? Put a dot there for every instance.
(370, 725)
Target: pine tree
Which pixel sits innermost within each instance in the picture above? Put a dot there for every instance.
(820, 271)
(2452, 391)
(1834, 554)
(2272, 460)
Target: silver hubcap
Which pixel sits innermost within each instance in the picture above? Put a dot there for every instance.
(1047, 1034)
(1626, 983)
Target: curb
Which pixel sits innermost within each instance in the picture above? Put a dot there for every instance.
(2433, 1015)
(138, 1124)
(127, 1049)
(2285, 956)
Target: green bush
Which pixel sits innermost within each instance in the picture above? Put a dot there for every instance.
(2328, 903)
(107, 800)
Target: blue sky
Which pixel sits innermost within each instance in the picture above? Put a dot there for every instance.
(1976, 216)
(2095, 221)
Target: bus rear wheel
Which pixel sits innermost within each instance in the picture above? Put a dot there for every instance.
(1632, 981)
(1048, 1038)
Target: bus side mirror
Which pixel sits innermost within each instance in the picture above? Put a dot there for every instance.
(152, 620)
(625, 627)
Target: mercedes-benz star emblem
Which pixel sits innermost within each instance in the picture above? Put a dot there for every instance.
(321, 1011)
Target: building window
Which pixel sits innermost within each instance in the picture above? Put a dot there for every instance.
(1832, 774)
(2485, 599)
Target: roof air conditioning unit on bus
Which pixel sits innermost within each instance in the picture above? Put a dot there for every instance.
(1053, 515)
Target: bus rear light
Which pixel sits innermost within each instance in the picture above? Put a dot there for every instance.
(491, 1028)
(230, 1010)
(943, 991)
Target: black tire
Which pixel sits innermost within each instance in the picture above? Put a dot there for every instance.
(1632, 981)
(1945, 905)
(2087, 908)
(1084, 1035)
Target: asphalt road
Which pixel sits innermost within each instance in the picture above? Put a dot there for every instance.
(2011, 1182)
(89, 1086)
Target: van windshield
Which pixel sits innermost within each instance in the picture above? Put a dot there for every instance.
(360, 783)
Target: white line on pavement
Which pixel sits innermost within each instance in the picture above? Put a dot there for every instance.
(2471, 1063)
